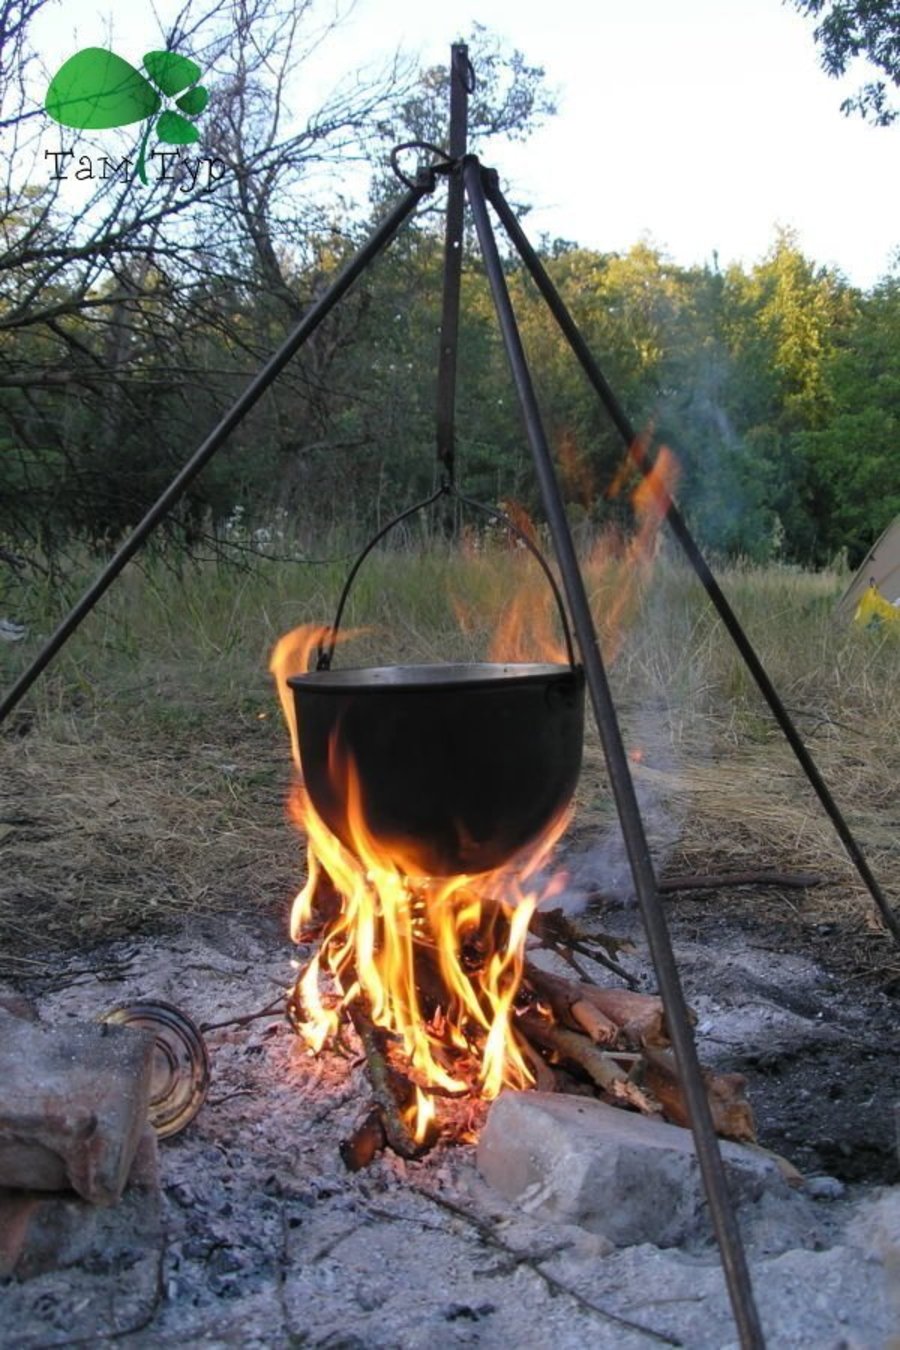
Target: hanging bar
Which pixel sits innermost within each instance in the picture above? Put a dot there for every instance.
(379, 240)
(690, 548)
(734, 1261)
(461, 85)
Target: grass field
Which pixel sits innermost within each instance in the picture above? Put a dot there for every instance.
(143, 777)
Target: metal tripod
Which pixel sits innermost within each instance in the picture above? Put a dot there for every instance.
(467, 178)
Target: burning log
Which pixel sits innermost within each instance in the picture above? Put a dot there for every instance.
(392, 1092)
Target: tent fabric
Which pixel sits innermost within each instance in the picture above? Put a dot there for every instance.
(881, 568)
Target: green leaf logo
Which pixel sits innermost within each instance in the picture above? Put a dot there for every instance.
(176, 130)
(171, 72)
(95, 90)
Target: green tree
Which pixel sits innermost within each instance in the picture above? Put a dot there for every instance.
(857, 452)
(847, 29)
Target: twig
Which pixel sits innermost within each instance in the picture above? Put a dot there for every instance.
(717, 881)
(556, 932)
(721, 881)
(238, 1092)
(274, 1009)
(380, 1074)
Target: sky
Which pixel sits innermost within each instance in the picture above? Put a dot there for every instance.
(700, 125)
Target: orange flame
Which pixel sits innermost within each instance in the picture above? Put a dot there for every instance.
(618, 566)
(513, 588)
(437, 962)
(614, 571)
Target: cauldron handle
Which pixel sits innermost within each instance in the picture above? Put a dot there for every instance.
(325, 652)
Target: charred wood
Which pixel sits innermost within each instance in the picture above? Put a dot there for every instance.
(366, 1141)
(639, 1018)
(732, 1114)
(601, 1066)
(392, 1092)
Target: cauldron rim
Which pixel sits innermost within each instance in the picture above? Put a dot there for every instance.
(452, 675)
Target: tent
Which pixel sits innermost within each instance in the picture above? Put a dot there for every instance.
(880, 569)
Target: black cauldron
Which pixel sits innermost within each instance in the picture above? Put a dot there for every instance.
(462, 764)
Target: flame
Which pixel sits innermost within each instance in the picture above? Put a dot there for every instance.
(618, 567)
(615, 569)
(527, 628)
(436, 962)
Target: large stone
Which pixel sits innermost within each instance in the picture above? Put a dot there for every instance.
(76, 1273)
(73, 1105)
(633, 1178)
(876, 1232)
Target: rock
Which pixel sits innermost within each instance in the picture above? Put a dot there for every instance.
(632, 1178)
(73, 1105)
(824, 1188)
(876, 1231)
(81, 1273)
(40, 1233)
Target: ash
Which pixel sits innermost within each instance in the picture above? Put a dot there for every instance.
(264, 1239)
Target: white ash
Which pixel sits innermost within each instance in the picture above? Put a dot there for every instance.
(270, 1242)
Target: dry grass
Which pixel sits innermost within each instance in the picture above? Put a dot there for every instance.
(143, 778)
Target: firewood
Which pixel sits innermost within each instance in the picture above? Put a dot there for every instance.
(732, 1115)
(367, 1140)
(384, 1080)
(544, 1076)
(640, 1018)
(600, 1065)
(596, 1024)
(573, 1011)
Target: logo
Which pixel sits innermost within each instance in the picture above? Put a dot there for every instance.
(95, 90)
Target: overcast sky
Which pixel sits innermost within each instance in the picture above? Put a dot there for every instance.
(701, 124)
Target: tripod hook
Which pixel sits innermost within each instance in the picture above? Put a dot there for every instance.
(429, 171)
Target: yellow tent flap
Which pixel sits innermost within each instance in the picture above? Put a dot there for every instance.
(874, 609)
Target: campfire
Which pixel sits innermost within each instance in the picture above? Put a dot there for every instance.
(425, 958)
(431, 966)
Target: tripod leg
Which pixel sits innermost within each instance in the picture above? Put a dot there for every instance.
(379, 239)
(453, 251)
(727, 1233)
(691, 550)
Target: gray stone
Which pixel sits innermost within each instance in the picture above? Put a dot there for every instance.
(875, 1231)
(76, 1272)
(630, 1177)
(41, 1233)
(824, 1188)
(73, 1105)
